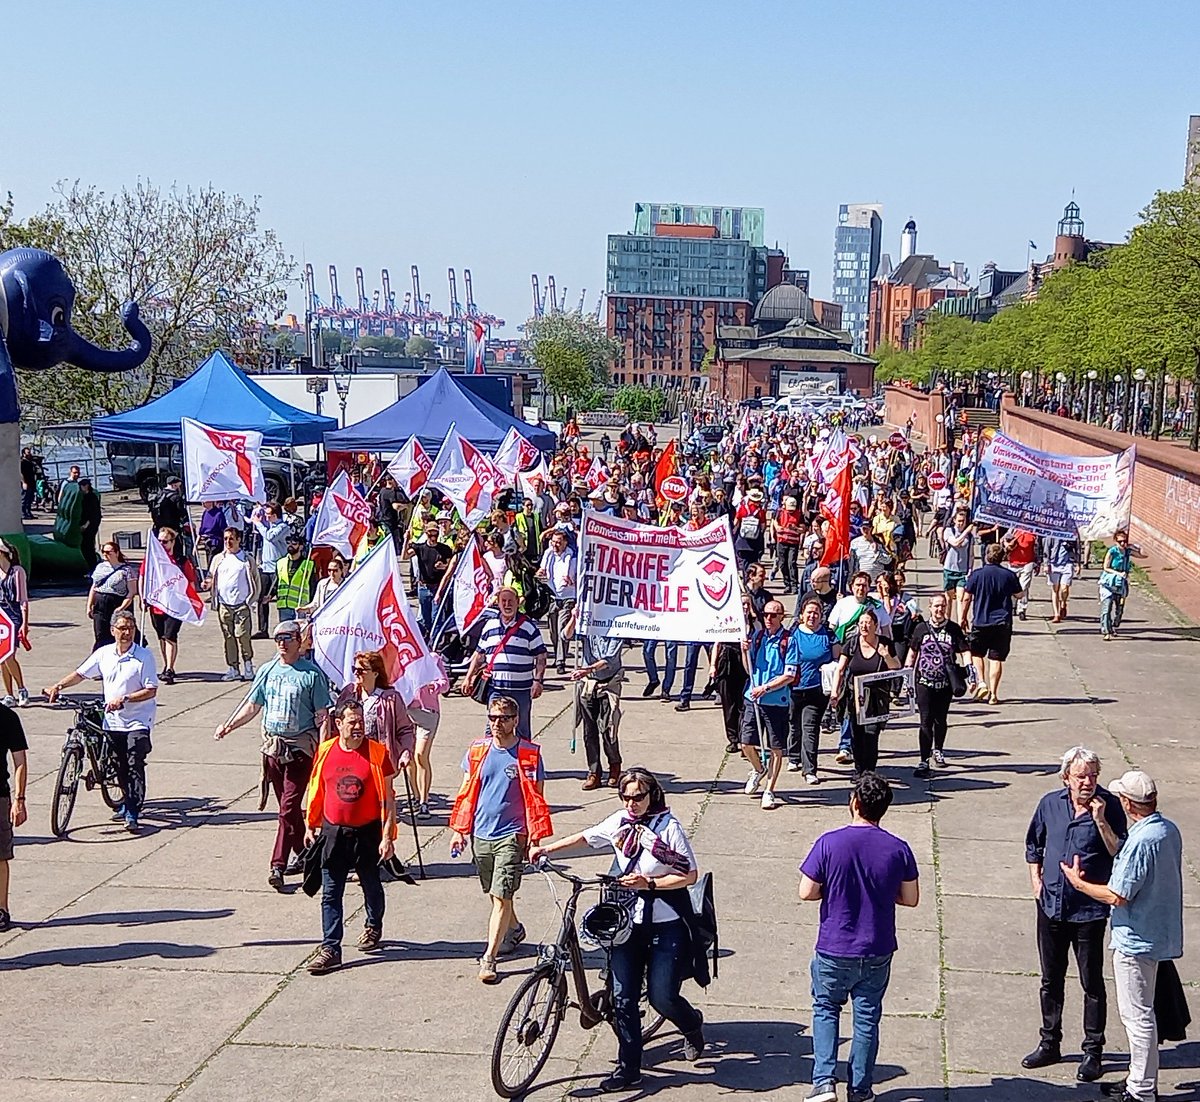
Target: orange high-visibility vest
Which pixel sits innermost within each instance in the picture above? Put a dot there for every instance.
(376, 752)
(537, 812)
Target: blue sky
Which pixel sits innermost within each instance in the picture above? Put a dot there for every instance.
(511, 137)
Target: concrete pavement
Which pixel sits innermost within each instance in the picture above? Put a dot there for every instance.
(163, 966)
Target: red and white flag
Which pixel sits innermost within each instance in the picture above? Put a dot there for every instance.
(472, 586)
(343, 517)
(476, 346)
(410, 467)
(837, 453)
(219, 465)
(370, 611)
(836, 509)
(514, 455)
(534, 481)
(743, 430)
(165, 587)
(466, 476)
(597, 476)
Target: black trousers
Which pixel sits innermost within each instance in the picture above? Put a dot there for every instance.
(731, 696)
(1054, 938)
(808, 706)
(933, 705)
(786, 553)
(131, 749)
(864, 744)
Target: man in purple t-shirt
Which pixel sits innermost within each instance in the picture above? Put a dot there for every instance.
(859, 873)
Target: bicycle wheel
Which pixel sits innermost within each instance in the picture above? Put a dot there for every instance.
(527, 1031)
(66, 787)
(110, 783)
(652, 1020)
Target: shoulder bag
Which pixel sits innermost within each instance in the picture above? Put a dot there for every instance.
(484, 681)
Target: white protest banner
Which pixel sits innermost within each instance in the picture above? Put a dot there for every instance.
(165, 587)
(534, 481)
(466, 476)
(370, 611)
(219, 465)
(472, 586)
(410, 467)
(1059, 496)
(638, 581)
(343, 517)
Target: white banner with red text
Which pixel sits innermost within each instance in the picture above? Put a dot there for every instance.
(220, 465)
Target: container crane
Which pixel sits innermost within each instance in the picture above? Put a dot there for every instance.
(582, 296)
(537, 297)
(552, 294)
(472, 309)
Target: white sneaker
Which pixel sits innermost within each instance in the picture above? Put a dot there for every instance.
(939, 758)
(22, 697)
(248, 671)
(231, 674)
(753, 781)
(793, 767)
(822, 1092)
(844, 757)
(10, 701)
(769, 802)
(811, 778)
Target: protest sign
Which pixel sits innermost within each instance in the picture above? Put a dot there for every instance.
(1059, 496)
(639, 581)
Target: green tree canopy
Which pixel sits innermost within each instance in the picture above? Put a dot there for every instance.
(574, 354)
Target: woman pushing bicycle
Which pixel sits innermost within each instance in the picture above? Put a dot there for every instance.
(655, 862)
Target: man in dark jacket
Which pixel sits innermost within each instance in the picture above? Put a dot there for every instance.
(90, 517)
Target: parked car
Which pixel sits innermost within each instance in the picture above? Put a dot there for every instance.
(134, 467)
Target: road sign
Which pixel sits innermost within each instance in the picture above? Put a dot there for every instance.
(8, 637)
(937, 481)
(674, 488)
(897, 440)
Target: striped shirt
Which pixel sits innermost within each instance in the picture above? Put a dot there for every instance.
(514, 665)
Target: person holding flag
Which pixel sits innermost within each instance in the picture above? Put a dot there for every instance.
(171, 591)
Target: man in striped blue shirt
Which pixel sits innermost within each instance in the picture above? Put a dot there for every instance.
(512, 651)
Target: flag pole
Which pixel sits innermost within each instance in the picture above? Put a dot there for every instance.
(412, 816)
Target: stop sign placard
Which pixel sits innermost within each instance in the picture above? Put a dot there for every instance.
(8, 637)
(674, 488)
(937, 481)
(897, 440)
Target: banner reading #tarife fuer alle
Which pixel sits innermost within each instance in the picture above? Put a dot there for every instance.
(637, 581)
(1060, 496)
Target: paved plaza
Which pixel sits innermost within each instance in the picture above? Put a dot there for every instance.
(163, 966)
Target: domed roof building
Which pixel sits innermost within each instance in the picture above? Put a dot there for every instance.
(782, 304)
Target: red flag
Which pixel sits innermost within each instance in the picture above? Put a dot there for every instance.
(836, 509)
(664, 469)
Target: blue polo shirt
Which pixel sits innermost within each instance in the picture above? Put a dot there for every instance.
(1148, 875)
(770, 655)
(1056, 834)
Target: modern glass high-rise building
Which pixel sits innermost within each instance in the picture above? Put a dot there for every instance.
(856, 246)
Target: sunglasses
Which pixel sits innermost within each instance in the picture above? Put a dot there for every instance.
(288, 638)
(363, 669)
(634, 797)
(110, 551)
(502, 719)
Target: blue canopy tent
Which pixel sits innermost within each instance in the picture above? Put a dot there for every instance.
(219, 394)
(428, 412)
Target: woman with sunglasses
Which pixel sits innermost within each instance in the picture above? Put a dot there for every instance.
(114, 587)
(166, 626)
(384, 713)
(1114, 584)
(656, 861)
(335, 574)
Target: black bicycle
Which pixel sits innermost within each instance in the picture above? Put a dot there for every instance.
(87, 755)
(530, 1022)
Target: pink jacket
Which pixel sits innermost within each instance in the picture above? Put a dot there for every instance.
(399, 733)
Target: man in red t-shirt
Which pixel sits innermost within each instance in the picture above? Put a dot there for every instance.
(1020, 546)
(352, 808)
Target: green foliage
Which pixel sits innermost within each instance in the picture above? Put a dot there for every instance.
(204, 272)
(388, 346)
(573, 353)
(640, 403)
(418, 347)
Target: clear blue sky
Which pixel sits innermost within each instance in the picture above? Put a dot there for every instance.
(511, 137)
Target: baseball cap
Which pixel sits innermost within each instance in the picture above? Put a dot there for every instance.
(174, 480)
(1135, 785)
(287, 627)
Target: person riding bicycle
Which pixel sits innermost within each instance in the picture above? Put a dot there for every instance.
(655, 860)
(130, 686)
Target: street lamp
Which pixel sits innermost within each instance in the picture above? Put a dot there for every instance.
(1091, 378)
(341, 380)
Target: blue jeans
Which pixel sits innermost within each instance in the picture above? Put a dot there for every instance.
(425, 601)
(333, 887)
(649, 646)
(524, 708)
(690, 664)
(844, 742)
(655, 951)
(862, 980)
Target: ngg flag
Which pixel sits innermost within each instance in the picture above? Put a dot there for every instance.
(165, 587)
(476, 346)
(219, 465)
(642, 582)
(514, 455)
(370, 611)
(1059, 496)
(410, 467)
(466, 476)
(343, 518)
(472, 586)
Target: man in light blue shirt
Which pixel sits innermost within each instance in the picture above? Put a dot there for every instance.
(772, 657)
(1145, 892)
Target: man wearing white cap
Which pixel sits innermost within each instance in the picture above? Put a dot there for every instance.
(1145, 892)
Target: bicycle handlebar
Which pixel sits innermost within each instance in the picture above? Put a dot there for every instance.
(544, 864)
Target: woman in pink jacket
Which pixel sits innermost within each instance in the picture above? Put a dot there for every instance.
(384, 712)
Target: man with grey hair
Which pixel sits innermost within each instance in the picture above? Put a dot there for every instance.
(1145, 892)
(1079, 820)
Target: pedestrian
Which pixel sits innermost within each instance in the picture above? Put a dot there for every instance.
(933, 654)
(294, 578)
(558, 570)
(756, 587)
(1114, 584)
(512, 656)
(816, 648)
(1020, 550)
(14, 600)
(425, 710)
(28, 470)
(166, 626)
(598, 682)
(988, 594)
(529, 527)
(210, 538)
(130, 681)
(501, 809)
(772, 658)
(352, 812)
(12, 797)
(113, 589)
(1145, 892)
(90, 519)
(335, 574)
(958, 539)
(1062, 559)
(1079, 818)
(750, 529)
(234, 580)
(384, 711)
(267, 520)
(655, 860)
(433, 559)
(860, 873)
(293, 695)
(787, 526)
(867, 653)
(169, 509)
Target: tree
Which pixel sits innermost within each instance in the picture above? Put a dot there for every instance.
(204, 272)
(418, 347)
(388, 346)
(573, 353)
(640, 403)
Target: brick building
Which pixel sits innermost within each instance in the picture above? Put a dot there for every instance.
(917, 284)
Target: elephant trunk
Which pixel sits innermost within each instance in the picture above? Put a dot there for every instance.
(82, 353)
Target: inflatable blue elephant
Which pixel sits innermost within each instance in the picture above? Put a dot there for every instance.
(36, 298)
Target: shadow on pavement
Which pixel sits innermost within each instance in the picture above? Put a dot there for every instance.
(132, 918)
(106, 954)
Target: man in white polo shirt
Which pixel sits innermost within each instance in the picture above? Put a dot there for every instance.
(236, 582)
(558, 571)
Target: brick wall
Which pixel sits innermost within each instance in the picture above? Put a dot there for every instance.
(901, 401)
